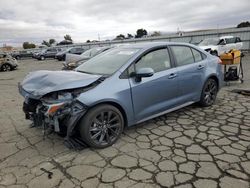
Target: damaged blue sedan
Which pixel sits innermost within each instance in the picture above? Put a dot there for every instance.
(120, 87)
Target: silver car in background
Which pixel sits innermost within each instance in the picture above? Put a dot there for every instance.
(72, 60)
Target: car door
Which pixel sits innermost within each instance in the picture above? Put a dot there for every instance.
(48, 53)
(238, 43)
(222, 46)
(155, 94)
(190, 67)
(230, 44)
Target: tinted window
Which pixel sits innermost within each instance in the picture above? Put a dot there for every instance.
(209, 41)
(79, 49)
(230, 40)
(157, 60)
(51, 50)
(183, 55)
(222, 42)
(73, 50)
(197, 55)
(238, 39)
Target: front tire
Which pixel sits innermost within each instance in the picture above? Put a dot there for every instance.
(6, 67)
(209, 93)
(215, 53)
(101, 126)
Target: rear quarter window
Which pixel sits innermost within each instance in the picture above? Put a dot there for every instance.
(197, 55)
(183, 55)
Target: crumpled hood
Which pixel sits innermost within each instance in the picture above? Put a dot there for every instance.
(42, 82)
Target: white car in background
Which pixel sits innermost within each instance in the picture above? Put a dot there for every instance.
(220, 45)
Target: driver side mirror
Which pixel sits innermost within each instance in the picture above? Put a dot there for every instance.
(143, 73)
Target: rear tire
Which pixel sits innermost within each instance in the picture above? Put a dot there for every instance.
(42, 58)
(209, 93)
(101, 126)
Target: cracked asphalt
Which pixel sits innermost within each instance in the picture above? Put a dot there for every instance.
(192, 147)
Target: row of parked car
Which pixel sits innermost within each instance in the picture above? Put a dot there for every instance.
(74, 56)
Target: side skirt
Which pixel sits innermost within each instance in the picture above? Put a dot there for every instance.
(166, 111)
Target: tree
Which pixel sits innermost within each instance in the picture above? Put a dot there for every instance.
(129, 36)
(140, 33)
(52, 41)
(68, 37)
(243, 24)
(88, 41)
(27, 45)
(156, 34)
(46, 43)
(119, 37)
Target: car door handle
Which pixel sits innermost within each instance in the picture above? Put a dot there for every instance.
(200, 67)
(172, 75)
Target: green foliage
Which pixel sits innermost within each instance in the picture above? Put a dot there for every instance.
(129, 36)
(140, 33)
(119, 37)
(52, 41)
(27, 45)
(68, 37)
(243, 24)
(46, 43)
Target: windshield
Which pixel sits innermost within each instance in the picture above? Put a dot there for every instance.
(91, 52)
(210, 41)
(108, 62)
(65, 50)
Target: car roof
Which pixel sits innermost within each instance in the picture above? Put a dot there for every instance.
(226, 37)
(147, 45)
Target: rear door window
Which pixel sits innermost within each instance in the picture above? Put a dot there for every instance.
(183, 55)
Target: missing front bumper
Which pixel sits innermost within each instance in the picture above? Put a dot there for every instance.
(64, 121)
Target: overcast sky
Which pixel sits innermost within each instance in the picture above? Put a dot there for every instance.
(35, 20)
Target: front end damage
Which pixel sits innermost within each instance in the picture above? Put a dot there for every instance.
(56, 111)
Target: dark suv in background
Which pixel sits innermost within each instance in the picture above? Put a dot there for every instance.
(74, 50)
(47, 53)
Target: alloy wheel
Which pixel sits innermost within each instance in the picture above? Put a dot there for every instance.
(210, 92)
(6, 67)
(105, 127)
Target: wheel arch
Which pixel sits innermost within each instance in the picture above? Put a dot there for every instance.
(215, 77)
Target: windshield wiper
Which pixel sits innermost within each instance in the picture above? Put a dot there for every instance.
(88, 72)
(84, 72)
